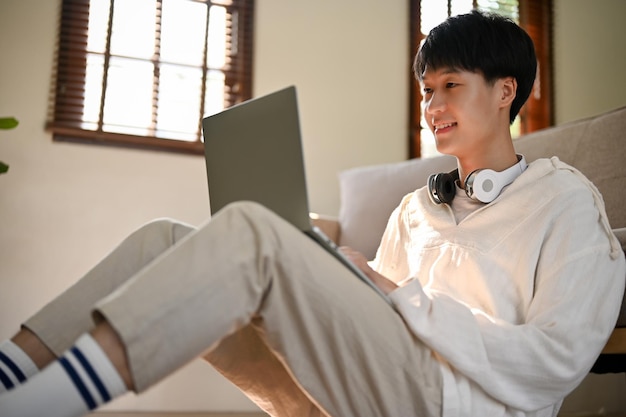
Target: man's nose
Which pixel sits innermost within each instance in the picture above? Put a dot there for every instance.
(435, 104)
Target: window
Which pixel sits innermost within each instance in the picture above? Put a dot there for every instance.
(533, 15)
(145, 72)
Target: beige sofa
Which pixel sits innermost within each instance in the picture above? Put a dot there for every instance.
(595, 146)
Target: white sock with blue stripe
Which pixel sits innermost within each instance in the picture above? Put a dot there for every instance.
(80, 381)
(15, 366)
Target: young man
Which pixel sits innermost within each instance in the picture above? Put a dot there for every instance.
(501, 305)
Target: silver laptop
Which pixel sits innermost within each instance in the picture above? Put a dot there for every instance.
(253, 152)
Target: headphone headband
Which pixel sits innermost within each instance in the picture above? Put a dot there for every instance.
(486, 184)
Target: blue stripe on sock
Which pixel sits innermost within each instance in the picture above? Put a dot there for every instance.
(6, 381)
(13, 367)
(92, 374)
(80, 385)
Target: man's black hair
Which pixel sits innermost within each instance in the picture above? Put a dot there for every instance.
(486, 43)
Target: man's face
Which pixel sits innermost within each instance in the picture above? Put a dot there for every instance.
(461, 109)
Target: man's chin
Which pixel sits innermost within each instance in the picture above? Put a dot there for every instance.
(445, 148)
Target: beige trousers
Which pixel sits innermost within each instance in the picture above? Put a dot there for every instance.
(265, 305)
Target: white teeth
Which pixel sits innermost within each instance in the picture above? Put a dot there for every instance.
(443, 126)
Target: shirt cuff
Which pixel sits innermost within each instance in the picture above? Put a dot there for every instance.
(412, 294)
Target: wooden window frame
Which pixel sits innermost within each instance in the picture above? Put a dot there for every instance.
(69, 79)
(535, 16)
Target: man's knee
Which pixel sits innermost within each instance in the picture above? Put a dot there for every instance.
(250, 210)
(253, 217)
(163, 230)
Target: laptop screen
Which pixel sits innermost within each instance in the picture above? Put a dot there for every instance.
(253, 152)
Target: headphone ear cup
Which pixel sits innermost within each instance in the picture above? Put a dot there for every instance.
(483, 185)
(441, 188)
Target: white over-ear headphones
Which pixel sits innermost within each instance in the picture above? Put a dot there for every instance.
(481, 185)
(486, 184)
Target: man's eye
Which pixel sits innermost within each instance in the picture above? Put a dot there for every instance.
(427, 90)
(451, 85)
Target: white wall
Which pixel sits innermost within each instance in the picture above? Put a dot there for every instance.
(63, 206)
(590, 57)
(350, 63)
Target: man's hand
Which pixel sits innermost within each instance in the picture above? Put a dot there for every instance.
(358, 259)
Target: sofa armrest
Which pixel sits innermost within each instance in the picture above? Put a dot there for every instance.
(617, 342)
(328, 225)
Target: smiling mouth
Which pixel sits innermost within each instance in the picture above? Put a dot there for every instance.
(443, 126)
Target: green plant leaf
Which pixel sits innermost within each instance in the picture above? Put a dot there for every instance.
(3, 167)
(8, 122)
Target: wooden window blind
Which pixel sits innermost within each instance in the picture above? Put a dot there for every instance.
(535, 16)
(144, 73)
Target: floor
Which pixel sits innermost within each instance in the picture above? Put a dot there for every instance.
(599, 414)
(174, 414)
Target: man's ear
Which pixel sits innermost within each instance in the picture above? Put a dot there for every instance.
(508, 88)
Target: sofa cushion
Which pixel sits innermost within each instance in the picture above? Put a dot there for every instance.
(369, 195)
(595, 146)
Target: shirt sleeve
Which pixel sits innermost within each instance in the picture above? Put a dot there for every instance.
(392, 244)
(578, 287)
